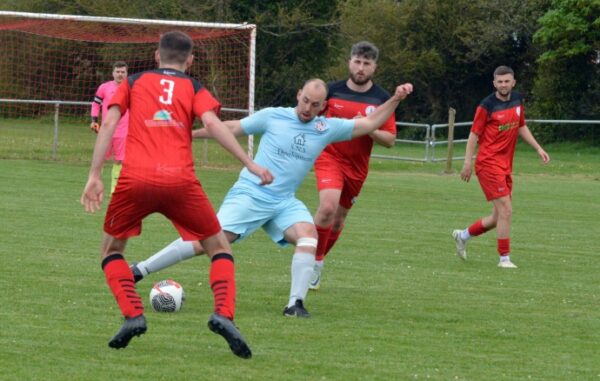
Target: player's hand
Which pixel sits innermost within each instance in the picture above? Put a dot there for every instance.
(266, 177)
(94, 126)
(92, 196)
(403, 91)
(543, 155)
(466, 172)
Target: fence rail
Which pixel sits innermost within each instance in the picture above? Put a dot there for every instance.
(58, 103)
(429, 142)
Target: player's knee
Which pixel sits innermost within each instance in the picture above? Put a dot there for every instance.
(327, 210)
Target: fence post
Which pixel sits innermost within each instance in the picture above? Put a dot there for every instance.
(55, 144)
(451, 116)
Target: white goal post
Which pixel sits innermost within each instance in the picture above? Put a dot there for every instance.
(49, 60)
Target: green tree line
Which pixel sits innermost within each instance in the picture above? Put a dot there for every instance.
(448, 49)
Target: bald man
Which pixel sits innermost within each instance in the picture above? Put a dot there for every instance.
(292, 139)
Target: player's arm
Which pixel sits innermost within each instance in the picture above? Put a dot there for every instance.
(93, 192)
(222, 133)
(363, 126)
(233, 125)
(526, 135)
(467, 169)
(384, 138)
(96, 104)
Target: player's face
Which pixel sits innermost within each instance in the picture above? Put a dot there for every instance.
(119, 74)
(361, 69)
(310, 103)
(504, 84)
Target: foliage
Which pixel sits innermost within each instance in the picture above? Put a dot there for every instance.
(567, 84)
(447, 49)
(295, 42)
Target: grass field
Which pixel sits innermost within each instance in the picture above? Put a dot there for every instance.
(395, 303)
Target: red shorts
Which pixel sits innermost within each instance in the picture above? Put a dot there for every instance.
(187, 206)
(331, 174)
(495, 185)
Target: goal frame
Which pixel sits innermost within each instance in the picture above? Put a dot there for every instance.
(175, 23)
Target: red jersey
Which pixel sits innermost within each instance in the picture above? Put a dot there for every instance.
(162, 105)
(497, 124)
(342, 102)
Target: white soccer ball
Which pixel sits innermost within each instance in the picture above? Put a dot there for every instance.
(167, 296)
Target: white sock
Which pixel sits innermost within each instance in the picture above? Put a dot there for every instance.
(302, 269)
(319, 265)
(464, 235)
(505, 258)
(179, 250)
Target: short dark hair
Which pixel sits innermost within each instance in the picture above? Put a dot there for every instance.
(175, 47)
(119, 64)
(502, 70)
(365, 49)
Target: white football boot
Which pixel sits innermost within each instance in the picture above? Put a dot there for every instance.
(461, 250)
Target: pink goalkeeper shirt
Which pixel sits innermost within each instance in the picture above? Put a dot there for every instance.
(102, 98)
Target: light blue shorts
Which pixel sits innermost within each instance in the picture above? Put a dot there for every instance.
(243, 214)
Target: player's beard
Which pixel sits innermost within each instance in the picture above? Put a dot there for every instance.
(504, 93)
(360, 82)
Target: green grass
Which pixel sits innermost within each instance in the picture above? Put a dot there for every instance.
(395, 304)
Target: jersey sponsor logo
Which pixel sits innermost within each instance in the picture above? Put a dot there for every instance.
(298, 149)
(337, 106)
(162, 115)
(162, 118)
(326, 180)
(370, 109)
(507, 126)
(299, 142)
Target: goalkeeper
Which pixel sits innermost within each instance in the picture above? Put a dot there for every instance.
(102, 98)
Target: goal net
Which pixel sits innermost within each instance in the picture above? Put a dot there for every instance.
(51, 66)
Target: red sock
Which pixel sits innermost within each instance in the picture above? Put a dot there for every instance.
(324, 233)
(120, 280)
(222, 283)
(333, 237)
(503, 246)
(477, 228)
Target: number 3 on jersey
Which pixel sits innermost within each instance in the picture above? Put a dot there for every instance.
(168, 86)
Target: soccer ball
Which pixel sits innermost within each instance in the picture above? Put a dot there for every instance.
(167, 296)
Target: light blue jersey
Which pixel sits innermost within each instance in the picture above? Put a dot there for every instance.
(289, 147)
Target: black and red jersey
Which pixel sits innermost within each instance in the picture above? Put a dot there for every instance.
(497, 124)
(342, 102)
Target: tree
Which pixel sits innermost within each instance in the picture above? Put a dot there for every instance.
(448, 49)
(567, 84)
(295, 40)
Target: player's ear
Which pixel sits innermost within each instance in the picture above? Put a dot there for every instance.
(157, 56)
(189, 61)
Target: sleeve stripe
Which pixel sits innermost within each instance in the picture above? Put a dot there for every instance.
(98, 99)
